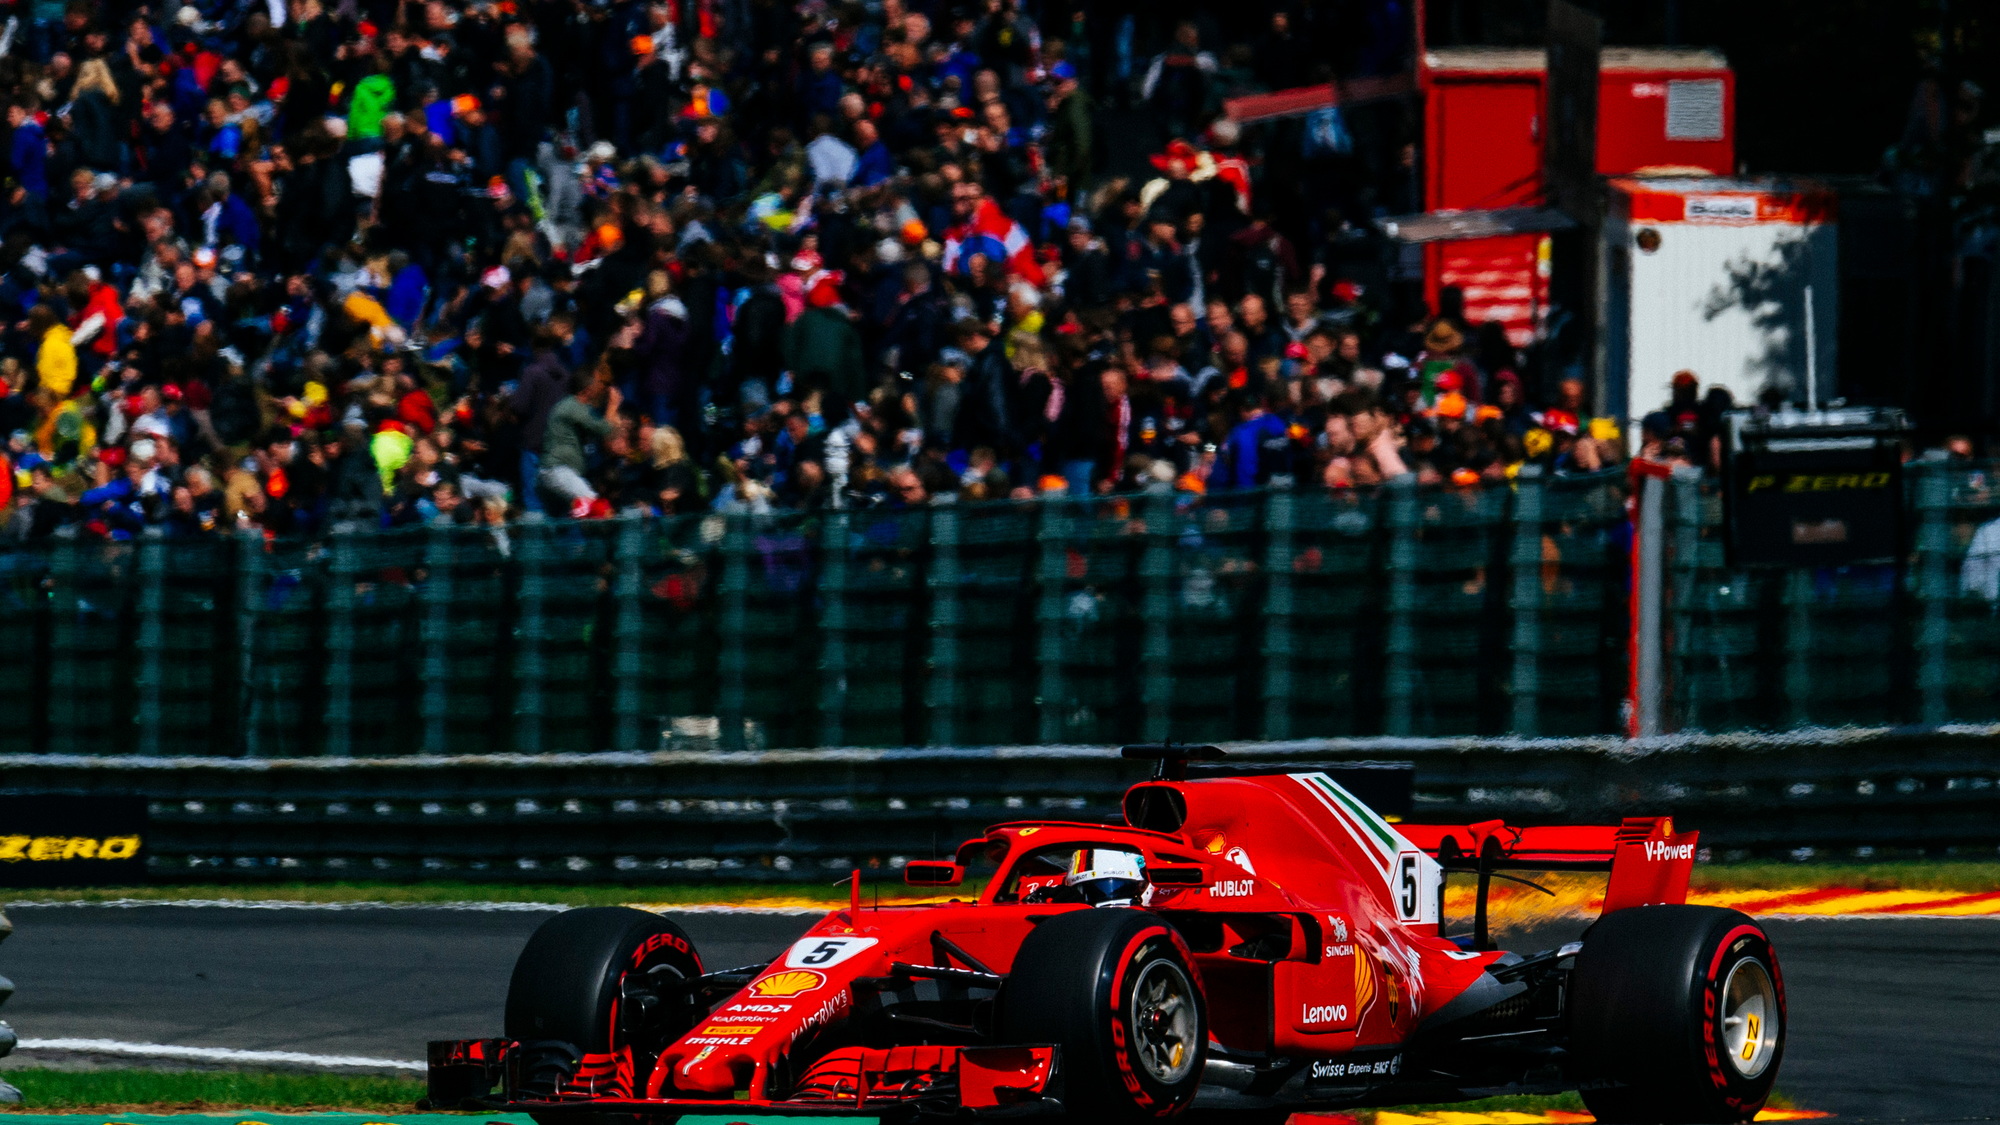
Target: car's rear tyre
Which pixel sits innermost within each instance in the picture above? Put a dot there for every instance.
(607, 983)
(1117, 990)
(1677, 1016)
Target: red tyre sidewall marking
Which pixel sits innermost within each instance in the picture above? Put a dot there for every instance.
(656, 941)
(1120, 1047)
(1711, 1000)
(627, 1072)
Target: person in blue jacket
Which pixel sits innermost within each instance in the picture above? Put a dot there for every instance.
(1259, 447)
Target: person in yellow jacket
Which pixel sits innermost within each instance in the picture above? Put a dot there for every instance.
(55, 359)
(66, 432)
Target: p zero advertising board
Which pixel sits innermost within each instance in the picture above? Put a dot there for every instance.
(1814, 500)
(72, 841)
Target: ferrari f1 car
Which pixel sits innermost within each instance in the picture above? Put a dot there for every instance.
(1244, 943)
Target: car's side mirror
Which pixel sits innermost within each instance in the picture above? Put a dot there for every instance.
(933, 873)
(1177, 874)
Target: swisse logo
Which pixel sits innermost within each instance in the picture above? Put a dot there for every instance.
(1323, 1013)
(1358, 1071)
(1233, 888)
(1658, 851)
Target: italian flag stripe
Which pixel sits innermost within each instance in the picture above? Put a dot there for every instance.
(1385, 837)
(1322, 788)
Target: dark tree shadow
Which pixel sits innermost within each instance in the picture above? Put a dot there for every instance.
(1773, 295)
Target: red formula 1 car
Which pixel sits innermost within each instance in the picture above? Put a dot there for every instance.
(1255, 943)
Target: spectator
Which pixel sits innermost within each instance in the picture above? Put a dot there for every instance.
(577, 422)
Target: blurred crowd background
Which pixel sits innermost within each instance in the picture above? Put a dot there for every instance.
(277, 266)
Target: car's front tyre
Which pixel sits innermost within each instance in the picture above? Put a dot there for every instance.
(597, 993)
(1677, 1016)
(1116, 989)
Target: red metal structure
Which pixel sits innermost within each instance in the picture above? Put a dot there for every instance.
(1485, 108)
(1253, 941)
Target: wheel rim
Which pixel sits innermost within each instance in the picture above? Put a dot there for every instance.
(1163, 1021)
(1749, 1018)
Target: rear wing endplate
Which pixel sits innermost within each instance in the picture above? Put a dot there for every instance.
(1649, 862)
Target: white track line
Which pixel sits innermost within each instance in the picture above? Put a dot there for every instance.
(725, 908)
(212, 1054)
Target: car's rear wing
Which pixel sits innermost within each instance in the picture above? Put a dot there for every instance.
(1649, 862)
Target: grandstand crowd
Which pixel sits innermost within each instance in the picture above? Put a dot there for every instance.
(275, 265)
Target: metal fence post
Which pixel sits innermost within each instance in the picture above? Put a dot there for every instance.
(342, 567)
(1156, 579)
(1051, 694)
(729, 664)
(67, 608)
(1649, 582)
(1280, 517)
(1685, 566)
(1399, 685)
(1934, 589)
(941, 696)
(249, 592)
(530, 628)
(151, 641)
(628, 630)
(1526, 604)
(435, 634)
(833, 628)
(1799, 664)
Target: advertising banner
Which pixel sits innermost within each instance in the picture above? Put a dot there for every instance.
(72, 841)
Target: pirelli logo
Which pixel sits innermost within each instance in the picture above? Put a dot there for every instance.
(1817, 482)
(59, 849)
(74, 839)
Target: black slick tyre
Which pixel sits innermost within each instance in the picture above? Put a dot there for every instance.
(596, 994)
(1117, 991)
(1676, 1016)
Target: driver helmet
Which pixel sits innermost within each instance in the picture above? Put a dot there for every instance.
(1107, 876)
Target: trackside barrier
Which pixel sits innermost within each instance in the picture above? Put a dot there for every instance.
(1273, 614)
(804, 815)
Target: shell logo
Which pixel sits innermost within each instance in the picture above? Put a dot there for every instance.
(795, 982)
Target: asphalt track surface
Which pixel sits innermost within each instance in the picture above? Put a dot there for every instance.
(1892, 1019)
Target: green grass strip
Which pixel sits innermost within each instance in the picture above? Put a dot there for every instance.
(198, 1091)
